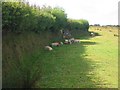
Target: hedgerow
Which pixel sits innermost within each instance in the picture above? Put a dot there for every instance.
(20, 16)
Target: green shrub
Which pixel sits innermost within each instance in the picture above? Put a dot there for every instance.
(61, 18)
(81, 24)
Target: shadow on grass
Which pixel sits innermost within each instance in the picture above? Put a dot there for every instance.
(67, 67)
(88, 43)
(84, 35)
(96, 34)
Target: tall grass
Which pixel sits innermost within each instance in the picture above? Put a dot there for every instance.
(20, 57)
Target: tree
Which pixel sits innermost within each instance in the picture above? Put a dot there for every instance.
(61, 18)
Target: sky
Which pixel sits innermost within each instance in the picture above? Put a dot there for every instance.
(103, 12)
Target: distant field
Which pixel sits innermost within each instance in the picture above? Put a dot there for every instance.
(93, 63)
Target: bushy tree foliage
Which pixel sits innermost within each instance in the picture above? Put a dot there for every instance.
(11, 15)
(20, 16)
(61, 18)
(81, 24)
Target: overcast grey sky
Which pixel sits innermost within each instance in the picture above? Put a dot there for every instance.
(103, 12)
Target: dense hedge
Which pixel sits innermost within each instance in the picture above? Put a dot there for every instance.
(20, 16)
(81, 24)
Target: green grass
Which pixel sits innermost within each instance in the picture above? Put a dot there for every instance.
(93, 63)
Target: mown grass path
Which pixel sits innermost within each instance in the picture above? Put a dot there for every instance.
(93, 63)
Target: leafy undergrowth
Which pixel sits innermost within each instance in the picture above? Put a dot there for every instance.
(93, 63)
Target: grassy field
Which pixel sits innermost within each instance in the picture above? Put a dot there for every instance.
(93, 63)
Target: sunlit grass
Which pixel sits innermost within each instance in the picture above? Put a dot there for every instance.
(89, 64)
